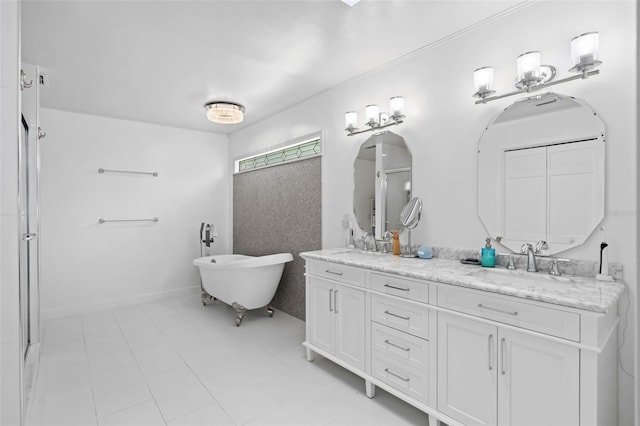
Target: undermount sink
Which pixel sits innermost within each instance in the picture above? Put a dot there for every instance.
(372, 253)
(521, 278)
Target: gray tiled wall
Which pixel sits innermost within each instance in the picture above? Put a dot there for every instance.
(277, 210)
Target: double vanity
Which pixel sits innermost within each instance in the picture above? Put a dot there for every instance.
(467, 345)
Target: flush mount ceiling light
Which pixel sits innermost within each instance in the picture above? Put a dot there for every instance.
(225, 112)
(350, 3)
(585, 52)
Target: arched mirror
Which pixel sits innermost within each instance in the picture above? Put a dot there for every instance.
(382, 182)
(541, 173)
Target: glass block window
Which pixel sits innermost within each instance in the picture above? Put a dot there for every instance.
(298, 151)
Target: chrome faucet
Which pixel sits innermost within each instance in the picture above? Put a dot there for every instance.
(541, 245)
(531, 257)
(386, 241)
(366, 237)
(531, 254)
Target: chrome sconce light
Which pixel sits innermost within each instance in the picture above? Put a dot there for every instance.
(585, 52)
(376, 120)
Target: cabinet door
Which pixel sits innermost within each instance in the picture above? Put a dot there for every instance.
(350, 325)
(320, 314)
(538, 381)
(467, 365)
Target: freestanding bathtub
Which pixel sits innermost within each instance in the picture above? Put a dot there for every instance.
(244, 282)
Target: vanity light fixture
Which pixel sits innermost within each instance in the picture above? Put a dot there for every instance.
(531, 75)
(376, 120)
(225, 112)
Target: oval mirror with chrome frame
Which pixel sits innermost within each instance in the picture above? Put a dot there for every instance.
(541, 171)
(382, 182)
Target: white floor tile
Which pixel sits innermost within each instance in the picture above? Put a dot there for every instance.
(206, 363)
(279, 417)
(115, 390)
(178, 392)
(317, 408)
(63, 329)
(157, 359)
(186, 364)
(241, 397)
(145, 414)
(79, 412)
(211, 415)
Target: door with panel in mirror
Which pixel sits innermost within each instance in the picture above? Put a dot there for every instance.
(541, 173)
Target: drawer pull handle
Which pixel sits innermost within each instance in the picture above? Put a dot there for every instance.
(406, 379)
(397, 316)
(490, 347)
(480, 305)
(329, 271)
(330, 299)
(502, 370)
(397, 288)
(397, 346)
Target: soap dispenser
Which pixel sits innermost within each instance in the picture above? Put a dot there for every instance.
(488, 255)
(396, 243)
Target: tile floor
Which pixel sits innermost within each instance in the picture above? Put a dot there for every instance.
(180, 363)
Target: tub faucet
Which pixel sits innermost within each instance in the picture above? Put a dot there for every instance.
(531, 257)
(365, 238)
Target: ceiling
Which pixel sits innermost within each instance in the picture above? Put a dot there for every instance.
(161, 61)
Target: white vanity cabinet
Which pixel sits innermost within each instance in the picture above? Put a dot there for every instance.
(461, 353)
(490, 375)
(336, 313)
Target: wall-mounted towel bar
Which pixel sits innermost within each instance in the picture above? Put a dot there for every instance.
(155, 219)
(155, 174)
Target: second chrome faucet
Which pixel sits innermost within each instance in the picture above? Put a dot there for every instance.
(531, 254)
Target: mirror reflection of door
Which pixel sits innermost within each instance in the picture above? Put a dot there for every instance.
(541, 171)
(382, 182)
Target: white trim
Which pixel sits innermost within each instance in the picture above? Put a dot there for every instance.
(118, 303)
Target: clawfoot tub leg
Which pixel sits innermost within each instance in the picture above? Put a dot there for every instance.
(206, 298)
(240, 310)
(270, 311)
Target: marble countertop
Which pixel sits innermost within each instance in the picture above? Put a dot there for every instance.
(567, 290)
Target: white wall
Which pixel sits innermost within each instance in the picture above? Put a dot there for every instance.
(86, 265)
(443, 127)
(10, 366)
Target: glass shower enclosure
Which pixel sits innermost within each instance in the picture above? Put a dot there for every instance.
(29, 232)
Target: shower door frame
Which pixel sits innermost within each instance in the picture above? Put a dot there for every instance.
(28, 204)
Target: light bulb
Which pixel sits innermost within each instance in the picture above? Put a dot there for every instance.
(528, 66)
(351, 119)
(585, 48)
(396, 106)
(483, 79)
(372, 112)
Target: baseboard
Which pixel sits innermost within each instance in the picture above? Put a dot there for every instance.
(117, 303)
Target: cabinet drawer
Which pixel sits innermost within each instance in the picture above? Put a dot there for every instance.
(400, 315)
(401, 287)
(537, 318)
(410, 381)
(402, 347)
(336, 272)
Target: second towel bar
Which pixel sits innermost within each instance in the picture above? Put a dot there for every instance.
(155, 219)
(128, 171)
